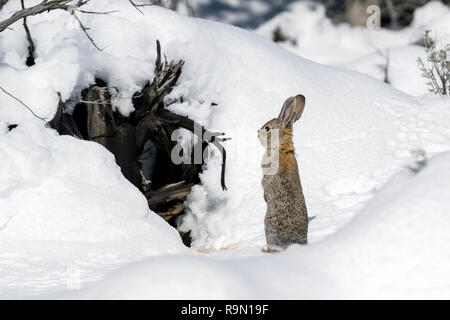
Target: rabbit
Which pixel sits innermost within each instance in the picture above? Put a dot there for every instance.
(286, 220)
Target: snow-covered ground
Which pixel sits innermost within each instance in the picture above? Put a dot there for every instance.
(312, 35)
(68, 217)
(396, 247)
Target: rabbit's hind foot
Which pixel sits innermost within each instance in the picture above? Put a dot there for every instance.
(267, 250)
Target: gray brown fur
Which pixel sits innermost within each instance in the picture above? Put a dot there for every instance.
(286, 220)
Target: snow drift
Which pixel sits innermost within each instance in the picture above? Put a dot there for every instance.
(398, 246)
(65, 208)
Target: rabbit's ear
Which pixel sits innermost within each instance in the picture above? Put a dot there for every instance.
(299, 106)
(286, 112)
(292, 110)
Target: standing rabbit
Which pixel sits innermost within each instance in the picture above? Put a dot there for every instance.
(286, 220)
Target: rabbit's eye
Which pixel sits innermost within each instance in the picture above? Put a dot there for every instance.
(267, 128)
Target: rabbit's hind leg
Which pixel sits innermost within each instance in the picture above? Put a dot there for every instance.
(274, 242)
(277, 242)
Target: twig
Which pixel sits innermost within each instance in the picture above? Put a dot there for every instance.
(31, 47)
(385, 67)
(98, 12)
(49, 5)
(172, 192)
(3, 227)
(139, 5)
(84, 29)
(23, 104)
(93, 101)
(45, 5)
(2, 3)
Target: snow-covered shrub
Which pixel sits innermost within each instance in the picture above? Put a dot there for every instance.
(437, 70)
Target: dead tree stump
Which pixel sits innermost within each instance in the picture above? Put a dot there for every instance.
(94, 119)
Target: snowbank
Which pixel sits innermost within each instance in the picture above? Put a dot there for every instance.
(398, 246)
(65, 205)
(58, 188)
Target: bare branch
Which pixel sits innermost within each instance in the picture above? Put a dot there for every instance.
(140, 5)
(49, 5)
(45, 5)
(384, 67)
(21, 102)
(93, 101)
(2, 3)
(98, 12)
(171, 192)
(31, 47)
(84, 29)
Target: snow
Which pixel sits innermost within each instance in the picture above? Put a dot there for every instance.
(69, 217)
(65, 204)
(403, 73)
(398, 246)
(315, 37)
